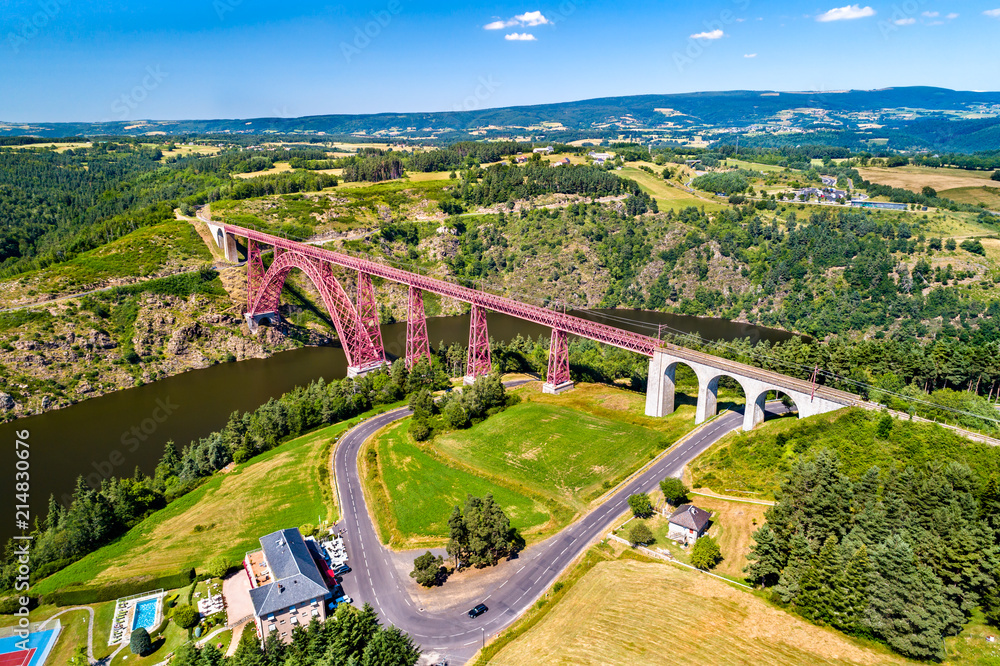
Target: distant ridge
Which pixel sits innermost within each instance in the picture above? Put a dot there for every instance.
(608, 116)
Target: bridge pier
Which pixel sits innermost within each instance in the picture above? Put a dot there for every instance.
(417, 345)
(479, 361)
(368, 313)
(227, 242)
(558, 379)
(254, 321)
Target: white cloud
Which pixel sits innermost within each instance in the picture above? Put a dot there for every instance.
(714, 34)
(531, 19)
(931, 14)
(520, 37)
(749, 55)
(846, 13)
(992, 13)
(952, 16)
(905, 21)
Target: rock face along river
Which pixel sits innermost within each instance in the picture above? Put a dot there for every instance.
(113, 434)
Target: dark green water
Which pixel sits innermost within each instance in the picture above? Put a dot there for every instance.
(113, 434)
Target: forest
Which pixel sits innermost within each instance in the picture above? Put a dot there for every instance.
(901, 555)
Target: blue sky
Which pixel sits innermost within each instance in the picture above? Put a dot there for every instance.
(66, 60)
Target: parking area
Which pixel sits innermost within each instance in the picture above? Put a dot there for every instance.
(236, 590)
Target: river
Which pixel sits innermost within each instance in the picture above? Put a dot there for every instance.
(113, 434)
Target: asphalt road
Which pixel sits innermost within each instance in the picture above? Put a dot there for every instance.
(451, 634)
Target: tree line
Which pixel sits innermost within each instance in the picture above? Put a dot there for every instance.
(900, 555)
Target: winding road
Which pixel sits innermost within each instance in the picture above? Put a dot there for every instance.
(450, 634)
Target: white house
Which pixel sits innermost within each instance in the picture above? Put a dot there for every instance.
(688, 523)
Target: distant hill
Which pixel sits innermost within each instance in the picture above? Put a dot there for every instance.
(912, 117)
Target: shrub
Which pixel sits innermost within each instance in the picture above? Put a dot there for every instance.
(706, 553)
(674, 491)
(218, 567)
(185, 616)
(640, 533)
(139, 643)
(427, 569)
(419, 429)
(640, 505)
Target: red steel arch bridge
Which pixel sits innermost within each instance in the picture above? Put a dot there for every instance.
(356, 321)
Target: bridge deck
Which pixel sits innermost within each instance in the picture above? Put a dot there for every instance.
(583, 328)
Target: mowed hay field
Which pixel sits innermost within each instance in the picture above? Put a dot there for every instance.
(668, 196)
(629, 612)
(915, 178)
(224, 517)
(989, 196)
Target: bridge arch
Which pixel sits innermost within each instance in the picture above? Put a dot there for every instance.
(358, 347)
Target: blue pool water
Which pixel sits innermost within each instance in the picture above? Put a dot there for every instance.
(145, 614)
(39, 641)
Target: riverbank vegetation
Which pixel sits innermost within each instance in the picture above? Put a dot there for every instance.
(111, 508)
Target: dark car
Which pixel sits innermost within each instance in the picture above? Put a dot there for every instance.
(478, 610)
(342, 569)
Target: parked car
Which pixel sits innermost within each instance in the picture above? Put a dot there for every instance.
(478, 610)
(342, 569)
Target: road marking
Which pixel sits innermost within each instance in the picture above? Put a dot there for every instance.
(503, 583)
(521, 569)
(488, 596)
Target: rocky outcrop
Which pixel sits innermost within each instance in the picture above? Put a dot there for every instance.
(7, 402)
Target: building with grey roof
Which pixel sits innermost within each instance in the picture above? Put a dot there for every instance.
(688, 523)
(287, 586)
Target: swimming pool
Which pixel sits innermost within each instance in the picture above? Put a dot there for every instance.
(145, 614)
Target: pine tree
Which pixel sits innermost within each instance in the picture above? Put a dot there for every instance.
(854, 592)
(248, 652)
(905, 602)
(799, 561)
(458, 536)
(820, 588)
(765, 558)
(390, 647)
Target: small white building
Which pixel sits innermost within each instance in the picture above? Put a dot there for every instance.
(545, 151)
(688, 523)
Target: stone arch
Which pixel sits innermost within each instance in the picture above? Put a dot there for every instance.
(708, 391)
(220, 238)
(357, 344)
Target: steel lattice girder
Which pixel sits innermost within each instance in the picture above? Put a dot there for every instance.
(558, 358)
(255, 272)
(635, 342)
(368, 312)
(417, 344)
(480, 362)
(357, 344)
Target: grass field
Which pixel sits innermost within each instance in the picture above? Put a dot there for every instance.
(224, 517)
(550, 457)
(758, 461)
(563, 453)
(279, 167)
(149, 251)
(667, 196)
(915, 178)
(990, 196)
(632, 612)
(424, 489)
(756, 166)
